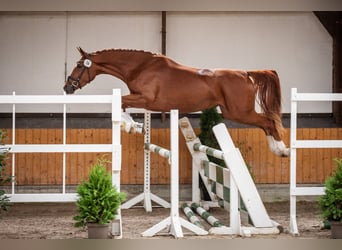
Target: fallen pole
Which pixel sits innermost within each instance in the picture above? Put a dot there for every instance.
(191, 216)
(206, 215)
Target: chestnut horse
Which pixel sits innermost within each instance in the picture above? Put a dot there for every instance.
(158, 83)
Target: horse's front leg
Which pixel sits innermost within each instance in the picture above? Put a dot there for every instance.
(134, 101)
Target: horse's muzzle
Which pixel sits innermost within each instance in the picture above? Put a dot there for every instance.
(69, 89)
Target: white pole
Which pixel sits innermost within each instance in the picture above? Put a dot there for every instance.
(13, 143)
(293, 168)
(116, 155)
(176, 228)
(64, 153)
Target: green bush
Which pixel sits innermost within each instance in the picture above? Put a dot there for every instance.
(98, 199)
(4, 178)
(208, 119)
(331, 202)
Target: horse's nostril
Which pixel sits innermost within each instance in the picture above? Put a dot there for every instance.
(68, 89)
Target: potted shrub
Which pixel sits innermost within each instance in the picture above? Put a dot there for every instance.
(331, 202)
(4, 177)
(98, 202)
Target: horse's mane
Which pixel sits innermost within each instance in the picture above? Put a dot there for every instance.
(124, 50)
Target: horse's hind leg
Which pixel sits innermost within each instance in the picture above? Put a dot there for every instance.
(277, 146)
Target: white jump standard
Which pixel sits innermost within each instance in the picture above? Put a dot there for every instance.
(146, 197)
(235, 180)
(173, 223)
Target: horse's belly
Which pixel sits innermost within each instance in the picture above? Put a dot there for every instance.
(185, 104)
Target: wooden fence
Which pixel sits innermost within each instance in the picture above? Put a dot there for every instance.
(313, 165)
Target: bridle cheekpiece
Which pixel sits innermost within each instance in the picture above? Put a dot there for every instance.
(75, 82)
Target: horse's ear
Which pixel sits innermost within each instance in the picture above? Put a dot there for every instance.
(82, 52)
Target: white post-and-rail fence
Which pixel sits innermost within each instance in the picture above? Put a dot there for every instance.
(114, 148)
(295, 144)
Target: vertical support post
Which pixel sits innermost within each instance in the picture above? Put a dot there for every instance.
(176, 228)
(196, 193)
(116, 155)
(234, 212)
(293, 167)
(147, 163)
(163, 48)
(13, 143)
(64, 153)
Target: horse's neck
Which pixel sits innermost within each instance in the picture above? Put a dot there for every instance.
(120, 64)
(112, 70)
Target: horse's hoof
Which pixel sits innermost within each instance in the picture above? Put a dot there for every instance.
(278, 147)
(286, 153)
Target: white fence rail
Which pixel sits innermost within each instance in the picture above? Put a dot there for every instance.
(295, 144)
(64, 100)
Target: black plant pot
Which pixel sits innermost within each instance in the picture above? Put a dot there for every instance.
(98, 231)
(336, 229)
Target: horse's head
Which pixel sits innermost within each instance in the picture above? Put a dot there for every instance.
(83, 73)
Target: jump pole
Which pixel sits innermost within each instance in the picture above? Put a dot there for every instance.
(173, 223)
(146, 196)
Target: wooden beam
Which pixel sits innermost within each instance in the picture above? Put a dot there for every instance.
(163, 48)
(332, 21)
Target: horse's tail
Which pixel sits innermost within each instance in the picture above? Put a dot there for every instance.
(269, 93)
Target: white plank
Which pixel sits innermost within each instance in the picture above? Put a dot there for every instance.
(46, 197)
(317, 97)
(317, 144)
(60, 148)
(54, 99)
(242, 178)
(307, 191)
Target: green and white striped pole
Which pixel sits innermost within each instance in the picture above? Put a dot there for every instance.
(206, 215)
(157, 149)
(191, 216)
(208, 150)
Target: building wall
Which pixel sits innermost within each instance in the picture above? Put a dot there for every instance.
(38, 50)
(296, 45)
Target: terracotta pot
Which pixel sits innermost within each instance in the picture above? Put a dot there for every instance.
(97, 231)
(336, 229)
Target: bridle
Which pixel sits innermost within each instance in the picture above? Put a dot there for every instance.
(75, 82)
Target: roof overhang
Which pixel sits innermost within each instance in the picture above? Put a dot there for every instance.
(169, 5)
